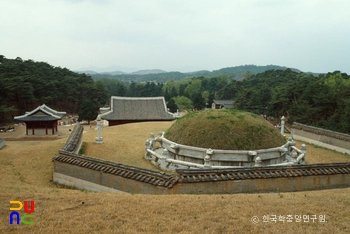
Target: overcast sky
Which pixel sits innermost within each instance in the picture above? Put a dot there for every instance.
(182, 35)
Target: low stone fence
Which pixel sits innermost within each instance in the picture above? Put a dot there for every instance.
(75, 139)
(172, 156)
(2, 143)
(322, 135)
(85, 172)
(291, 178)
(89, 173)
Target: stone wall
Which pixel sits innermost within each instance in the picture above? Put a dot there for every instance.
(75, 139)
(268, 179)
(2, 143)
(84, 172)
(112, 175)
(322, 135)
(129, 179)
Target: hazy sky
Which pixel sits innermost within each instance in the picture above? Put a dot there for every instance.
(183, 35)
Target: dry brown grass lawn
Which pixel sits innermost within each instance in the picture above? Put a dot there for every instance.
(26, 173)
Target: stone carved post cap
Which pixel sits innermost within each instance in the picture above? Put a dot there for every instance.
(98, 118)
(165, 152)
(151, 136)
(207, 163)
(291, 142)
(303, 147)
(258, 162)
(209, 151)
(252, 153)
(282, 118)
(174, 146)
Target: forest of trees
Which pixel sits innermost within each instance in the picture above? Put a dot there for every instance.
(24, 85)
(318, 100)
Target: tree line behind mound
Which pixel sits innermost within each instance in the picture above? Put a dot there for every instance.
(319, 100)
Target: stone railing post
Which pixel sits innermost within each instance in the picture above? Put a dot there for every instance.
(207, 158)
(176, 147)
(147, 154)
(290, 144)
(152, 142)
(303, 151)
(258, 162)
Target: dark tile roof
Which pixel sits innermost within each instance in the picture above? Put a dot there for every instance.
(137, 108)
(203, 175)
(135, 173)
(41, 113)
(225, 103)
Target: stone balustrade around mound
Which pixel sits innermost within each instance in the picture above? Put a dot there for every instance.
(172, 156)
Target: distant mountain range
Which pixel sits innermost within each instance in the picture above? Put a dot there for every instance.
(140, 72)
(157, 75)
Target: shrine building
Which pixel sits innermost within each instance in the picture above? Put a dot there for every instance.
(124, 110)
(41, 121)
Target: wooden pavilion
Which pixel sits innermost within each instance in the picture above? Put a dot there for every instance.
(41, 121)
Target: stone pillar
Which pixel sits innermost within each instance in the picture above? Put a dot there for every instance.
(152, 141)
(147, 154)
(303, 151)
(176, 147)
(99, 139)
(289, 146)
(207, 158)
(258, 162)
(282, 125)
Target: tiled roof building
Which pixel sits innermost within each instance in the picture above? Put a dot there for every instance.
(219, 104)
(136, 109)
(41, 120)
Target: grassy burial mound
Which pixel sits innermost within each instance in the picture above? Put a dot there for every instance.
(225, 129)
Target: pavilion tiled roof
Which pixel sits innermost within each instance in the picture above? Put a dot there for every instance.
(225, 103)
(41, 113)
(137, 108)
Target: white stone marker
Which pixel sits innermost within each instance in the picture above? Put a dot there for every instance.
(99, 139)
(282, 125)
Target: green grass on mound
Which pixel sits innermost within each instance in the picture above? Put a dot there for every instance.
(225, 129)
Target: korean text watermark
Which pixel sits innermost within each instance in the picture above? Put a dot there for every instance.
(289, 219)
